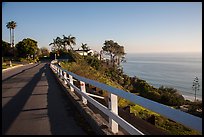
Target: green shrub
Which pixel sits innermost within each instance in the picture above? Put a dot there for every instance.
(171, 97)
(94, 62)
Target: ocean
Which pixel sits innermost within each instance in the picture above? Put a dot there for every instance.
(176, 70)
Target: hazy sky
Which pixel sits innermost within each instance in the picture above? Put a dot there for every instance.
(139, 27)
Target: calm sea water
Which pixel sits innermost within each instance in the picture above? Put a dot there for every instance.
(176, 70)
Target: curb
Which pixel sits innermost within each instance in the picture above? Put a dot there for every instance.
(93, 119)
(15, 67)
(12, 67)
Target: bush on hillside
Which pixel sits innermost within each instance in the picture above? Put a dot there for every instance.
(171, 97)
(93, 62)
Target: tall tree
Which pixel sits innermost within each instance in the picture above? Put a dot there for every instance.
(11, 26)
(195, 86)
(56, 44)
(6, 49)
(69, 41)
(119, 53)
(64, 43)
(108, 49)
(27, 48)
(115, 51)
(84, 47)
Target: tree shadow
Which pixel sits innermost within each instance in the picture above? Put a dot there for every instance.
(18, 73)
(12, 109)
(60, 111)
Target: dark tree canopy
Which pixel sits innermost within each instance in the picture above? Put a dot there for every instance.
(27, 47)
(63, 44)
(6, 49)
(114, 50)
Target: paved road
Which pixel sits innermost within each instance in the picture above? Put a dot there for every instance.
(32, 103)
(15, 71)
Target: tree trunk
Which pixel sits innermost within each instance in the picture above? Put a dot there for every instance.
(10, 38)
(111, 59)
(100, 56)
(13, 42)
(70, 47)
(114, 60)
(118, 61)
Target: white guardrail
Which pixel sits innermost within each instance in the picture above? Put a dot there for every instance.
(181, 117)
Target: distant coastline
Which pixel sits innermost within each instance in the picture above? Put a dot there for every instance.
(175, 70)
(191, 98)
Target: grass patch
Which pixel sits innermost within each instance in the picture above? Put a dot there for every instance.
(89, 72)
(6, 65)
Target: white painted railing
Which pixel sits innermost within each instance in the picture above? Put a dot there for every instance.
(181, 117)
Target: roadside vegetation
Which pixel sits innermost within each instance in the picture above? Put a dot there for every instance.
(23, 52)
(104, 75)
(111, 73)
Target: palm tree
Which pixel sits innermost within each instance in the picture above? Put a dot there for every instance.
(57, 45)
(84, 47)
(8, 25)
(64, 42)
(11, 26)
(69, 41)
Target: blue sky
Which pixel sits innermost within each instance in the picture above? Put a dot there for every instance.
(139, 27)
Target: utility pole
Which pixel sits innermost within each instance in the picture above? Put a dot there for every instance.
(195, 86)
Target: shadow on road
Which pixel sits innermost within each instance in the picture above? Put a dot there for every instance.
(60, 110)
(61, 113)
(12, 109)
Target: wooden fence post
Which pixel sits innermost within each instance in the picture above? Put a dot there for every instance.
(58, 72)
(65, 78)
(83, 89)
(113, 106)
(71, 81)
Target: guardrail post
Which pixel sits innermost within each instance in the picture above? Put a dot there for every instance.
(113, 106)
(83, 89)
(61, 76)
(58, 72)
(55, 69)
(71, 81)
(65, 78)
(53, 66)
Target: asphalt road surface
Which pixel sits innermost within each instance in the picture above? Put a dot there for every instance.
(32, 103)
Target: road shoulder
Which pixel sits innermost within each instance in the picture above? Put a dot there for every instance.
(3, 70)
